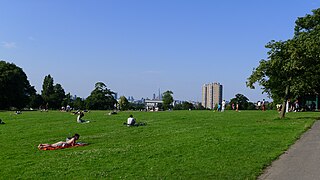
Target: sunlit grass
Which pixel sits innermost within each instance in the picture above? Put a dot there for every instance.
(174, 144)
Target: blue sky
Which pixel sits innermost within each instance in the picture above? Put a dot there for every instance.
(138, 46)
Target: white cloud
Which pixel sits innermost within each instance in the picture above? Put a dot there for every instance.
(8, 45)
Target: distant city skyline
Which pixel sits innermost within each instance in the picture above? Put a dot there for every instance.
(137, 47)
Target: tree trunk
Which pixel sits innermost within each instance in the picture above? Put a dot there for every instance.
(284, 104)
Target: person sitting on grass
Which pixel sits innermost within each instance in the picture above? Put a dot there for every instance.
(132, 122)
(79, 120)
(61, 144)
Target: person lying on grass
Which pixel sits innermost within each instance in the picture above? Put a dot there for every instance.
(132, 122)
(61, 144)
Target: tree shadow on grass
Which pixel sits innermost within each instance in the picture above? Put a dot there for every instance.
(308, 117)
(298, 118)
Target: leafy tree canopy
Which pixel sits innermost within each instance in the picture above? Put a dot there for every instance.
(47, 89)
(123, 103)
(101, 98)
(167, 100)
(78, 103)
(53, 95)
(15, 89)
(240, 99)
(293, 66)
(184, 106)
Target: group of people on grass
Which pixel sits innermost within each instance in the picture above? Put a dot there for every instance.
(295, 106)
(261, 105)
(130, 121)
(70, 142)
(221, 106)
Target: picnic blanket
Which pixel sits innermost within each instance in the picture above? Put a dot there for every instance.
(61, 147)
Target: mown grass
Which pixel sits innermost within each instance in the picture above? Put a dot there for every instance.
(173, 145)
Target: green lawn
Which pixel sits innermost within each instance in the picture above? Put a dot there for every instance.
(173, 145)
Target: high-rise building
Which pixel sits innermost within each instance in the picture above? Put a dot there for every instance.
(211, 95)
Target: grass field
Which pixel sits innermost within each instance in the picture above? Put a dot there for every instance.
(173, 145)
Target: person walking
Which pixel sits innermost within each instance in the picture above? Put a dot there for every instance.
(263, 105)
(223, 106)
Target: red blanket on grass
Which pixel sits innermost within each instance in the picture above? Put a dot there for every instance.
(61, 147)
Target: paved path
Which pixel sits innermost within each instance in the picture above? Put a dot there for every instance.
(301, 161)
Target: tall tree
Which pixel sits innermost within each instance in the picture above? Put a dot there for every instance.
(15, 89)
(101, 98)
(53, 95)
(123, 103)
(48, 90)
(293, 66)
(58, 96)
(167, 100)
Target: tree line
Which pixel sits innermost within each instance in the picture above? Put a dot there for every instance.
(17, 93)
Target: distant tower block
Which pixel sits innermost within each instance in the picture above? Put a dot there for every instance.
(211, 95)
